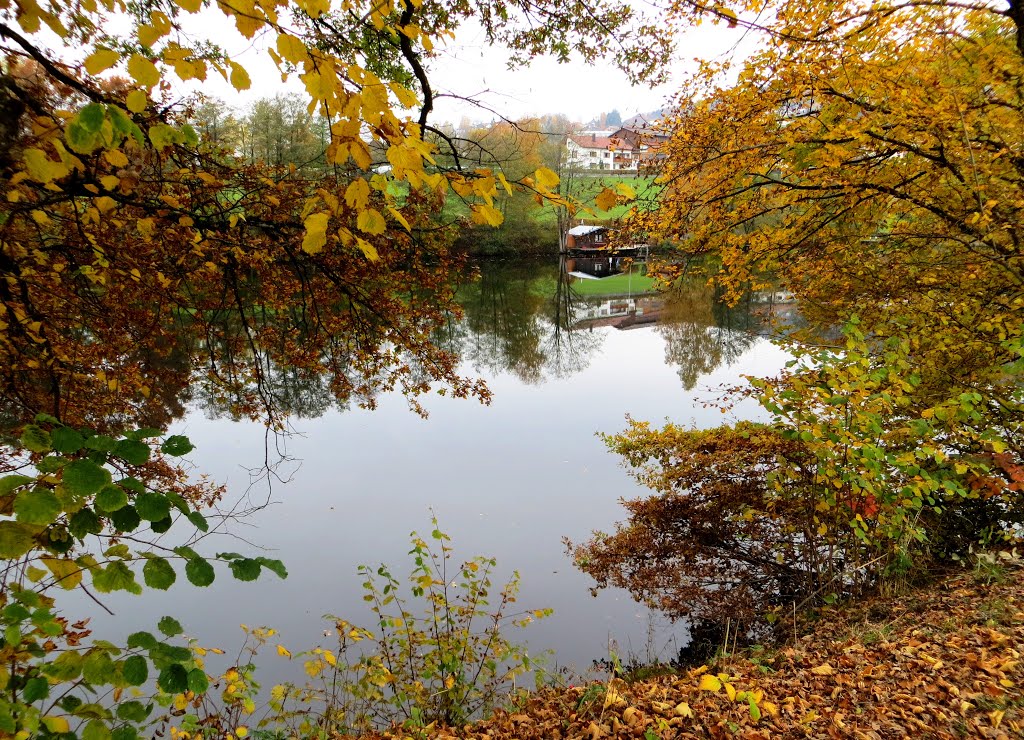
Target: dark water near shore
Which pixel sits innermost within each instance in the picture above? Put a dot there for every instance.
(508, 480)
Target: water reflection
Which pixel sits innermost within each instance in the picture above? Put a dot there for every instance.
(530, 319)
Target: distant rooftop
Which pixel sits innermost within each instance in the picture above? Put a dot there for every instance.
(584, 229)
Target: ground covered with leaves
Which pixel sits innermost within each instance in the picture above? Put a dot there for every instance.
(940, 662)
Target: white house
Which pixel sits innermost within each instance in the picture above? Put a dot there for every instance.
(597, 152)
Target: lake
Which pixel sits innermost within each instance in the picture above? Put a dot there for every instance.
(508, 480)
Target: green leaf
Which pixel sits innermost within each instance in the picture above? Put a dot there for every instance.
(67, 440)
(92, 117)
(164, 655)
(275, 566)
(115, 577)
(245, 569)
(133, 711)
(125, 732)
(10, 482)
(92, 711)
(158, 574)
(99, 669)
(197, 681)
(111, 498)
(100, 443)
(199, 572)
(84, 522)
(170, 626)
(152, 506)
(84, 477)
(177, 445)
(37, 506)
(132, 451)
(143, 640)
(34, 690)
(70, 703)
(132, 484)
(15, 539)
(173, 679)
(15, 613)
(162, 525)
(144, 433)
(96, 730)
(65, 667)
(135, 669)
(199, 521)
(125, 519)
(35, 439)
(177, 501)
(81, 139)
(51, 464)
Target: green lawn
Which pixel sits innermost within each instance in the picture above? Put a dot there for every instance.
(615, 285)
(585, 188)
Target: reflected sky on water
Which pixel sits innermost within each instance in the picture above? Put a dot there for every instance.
(508, 480)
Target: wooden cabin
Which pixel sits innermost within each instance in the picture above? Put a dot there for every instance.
(585, 238)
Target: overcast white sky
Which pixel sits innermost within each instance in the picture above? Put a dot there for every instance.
(469, 66)
(578, 90)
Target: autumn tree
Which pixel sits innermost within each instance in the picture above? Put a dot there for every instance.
(140, 262)
(866, 158)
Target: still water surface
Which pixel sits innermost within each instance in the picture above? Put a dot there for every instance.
(508, 480)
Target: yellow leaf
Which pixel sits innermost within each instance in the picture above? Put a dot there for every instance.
(546, 178)
(143, 71)
(625, 190)
(56, 725)
(329, 657)
(405, 96)
(282, 650)
(149, 35)
(730, 691)
(100, 60)
(316, 232)
(315, 8)
(709, 683)
(191, 6)
(606, 199)
(241, 731)
(357, 194)
(399, 218)
(369, 251)
(239, 77)
(823, 670)
(484, 214)
(371, 221)
(504, 183)
(291, 49)
(41, 168)
(67, 572)
(137, 101)
(110, 181)
(116, 157)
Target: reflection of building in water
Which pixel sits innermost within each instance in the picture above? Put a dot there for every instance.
(621, 313)
(594, 265)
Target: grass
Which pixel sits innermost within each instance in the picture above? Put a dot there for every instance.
(616, 284)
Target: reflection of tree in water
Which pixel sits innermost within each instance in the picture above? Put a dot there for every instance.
(518, 319)
(568, 350)
(702, 334)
